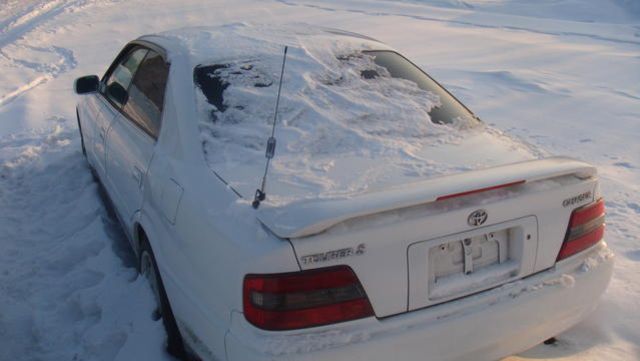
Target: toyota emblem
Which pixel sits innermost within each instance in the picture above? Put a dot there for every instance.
(477, 218)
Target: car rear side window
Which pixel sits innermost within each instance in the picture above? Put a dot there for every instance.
(120, 78)
(146, 93)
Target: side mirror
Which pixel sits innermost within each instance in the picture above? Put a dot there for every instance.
(86, 84)
(118, 93)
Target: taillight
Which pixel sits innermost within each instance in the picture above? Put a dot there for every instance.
(304, 299)
(586, 228)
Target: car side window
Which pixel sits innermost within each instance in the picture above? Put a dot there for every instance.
(118, 82)
(146, 93)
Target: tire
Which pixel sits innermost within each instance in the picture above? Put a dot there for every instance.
(84, 150)
(149, 269)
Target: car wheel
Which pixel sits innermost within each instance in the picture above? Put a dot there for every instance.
(149, 269)
(84, 150)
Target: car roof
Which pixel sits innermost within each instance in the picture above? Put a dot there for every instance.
(210, 44)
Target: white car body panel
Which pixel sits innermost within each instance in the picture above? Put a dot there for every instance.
(129, 151)
(206, 238)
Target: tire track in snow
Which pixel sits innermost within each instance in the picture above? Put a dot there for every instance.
(49, 71)
(24, 22)
(13, 31)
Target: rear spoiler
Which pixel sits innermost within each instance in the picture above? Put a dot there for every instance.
(308, 217)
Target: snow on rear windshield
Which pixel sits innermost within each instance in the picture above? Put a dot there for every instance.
(355, 105)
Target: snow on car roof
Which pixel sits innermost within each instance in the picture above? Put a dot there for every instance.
(345, 126)
(217, 43)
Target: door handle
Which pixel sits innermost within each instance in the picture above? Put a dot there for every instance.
(137, 175)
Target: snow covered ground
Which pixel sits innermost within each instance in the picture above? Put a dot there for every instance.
(560, 74)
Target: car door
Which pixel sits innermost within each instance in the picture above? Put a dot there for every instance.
(133, 133)
(91, 119)
(103, 117)
(109, 102)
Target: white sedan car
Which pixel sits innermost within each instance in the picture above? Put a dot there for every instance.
(389, 222)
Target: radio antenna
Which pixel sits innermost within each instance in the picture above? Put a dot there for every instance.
(271, 142)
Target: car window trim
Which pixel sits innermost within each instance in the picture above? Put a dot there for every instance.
(129, 48)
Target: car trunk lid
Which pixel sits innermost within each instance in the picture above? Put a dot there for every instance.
(418, 246)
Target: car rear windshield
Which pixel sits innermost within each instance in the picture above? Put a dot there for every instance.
(346, 118)
(213, 80)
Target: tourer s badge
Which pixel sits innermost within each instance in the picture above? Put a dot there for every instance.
(333, 255)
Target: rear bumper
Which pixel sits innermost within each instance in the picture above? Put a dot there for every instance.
(486, 326)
